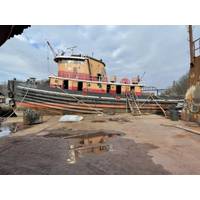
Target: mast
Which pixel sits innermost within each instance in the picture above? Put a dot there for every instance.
(52, 50)
(191, 45)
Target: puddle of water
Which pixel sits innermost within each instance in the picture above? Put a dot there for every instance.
(8, 129)
(4, 131)
(85, 142)
(89, 144)
(75, 153)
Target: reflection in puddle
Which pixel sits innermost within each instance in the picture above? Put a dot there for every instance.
(75, 153)
(85, 145)
(4, 131)
(9, 128)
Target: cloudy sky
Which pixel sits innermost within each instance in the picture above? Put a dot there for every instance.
(159, 51)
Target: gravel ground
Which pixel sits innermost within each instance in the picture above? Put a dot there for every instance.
(147, 147)
(42, 155)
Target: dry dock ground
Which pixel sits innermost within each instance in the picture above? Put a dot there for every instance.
(143, 145)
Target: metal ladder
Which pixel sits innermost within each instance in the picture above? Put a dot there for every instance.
(135, 110)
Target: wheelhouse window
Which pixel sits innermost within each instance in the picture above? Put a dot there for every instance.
(74, 61)
(99, 77)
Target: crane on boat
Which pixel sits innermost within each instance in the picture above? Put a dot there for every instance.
(52, 49)
(60, 52)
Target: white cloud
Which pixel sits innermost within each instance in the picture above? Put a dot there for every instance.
(20, 37)
(160, 51)
(117, 52)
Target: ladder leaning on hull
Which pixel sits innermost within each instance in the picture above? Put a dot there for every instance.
(135, 110)
(154, 100)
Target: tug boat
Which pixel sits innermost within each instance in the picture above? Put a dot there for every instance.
(82, 86)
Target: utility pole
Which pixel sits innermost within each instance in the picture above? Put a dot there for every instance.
(191, 46)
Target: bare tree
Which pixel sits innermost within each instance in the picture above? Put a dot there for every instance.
(178, 88)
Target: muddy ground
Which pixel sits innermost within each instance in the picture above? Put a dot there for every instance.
(139, 145)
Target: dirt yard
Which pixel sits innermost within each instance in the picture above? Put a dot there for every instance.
(132, 145)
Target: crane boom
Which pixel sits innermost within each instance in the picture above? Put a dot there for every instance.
(52, 50)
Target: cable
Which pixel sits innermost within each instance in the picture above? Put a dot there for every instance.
(81, 101)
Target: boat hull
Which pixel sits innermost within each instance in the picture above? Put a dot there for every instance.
(67, 102)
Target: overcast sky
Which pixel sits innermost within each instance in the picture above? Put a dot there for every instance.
(159, 51)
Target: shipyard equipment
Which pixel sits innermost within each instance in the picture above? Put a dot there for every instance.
(191, 111)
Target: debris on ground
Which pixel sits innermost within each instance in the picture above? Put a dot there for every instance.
(70, 118)
(118, 119)
(183, 128)
(31, 117)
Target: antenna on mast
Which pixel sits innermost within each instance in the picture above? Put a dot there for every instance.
(72, 49)
(141, 78)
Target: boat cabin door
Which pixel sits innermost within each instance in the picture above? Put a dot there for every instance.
(118, 89)
(108, 88)
(66, 84)
(80, 86)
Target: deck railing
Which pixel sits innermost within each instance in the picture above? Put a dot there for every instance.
(81, 76)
